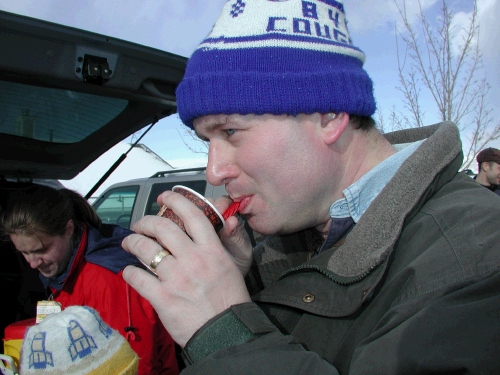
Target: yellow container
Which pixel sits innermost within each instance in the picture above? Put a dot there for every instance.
(12, 348)
(13, 338)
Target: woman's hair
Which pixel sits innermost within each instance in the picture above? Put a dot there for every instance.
(42, 209)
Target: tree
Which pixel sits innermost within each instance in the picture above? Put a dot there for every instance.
(442, 64)
(202, 145)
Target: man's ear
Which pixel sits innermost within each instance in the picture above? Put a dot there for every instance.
(333, 125)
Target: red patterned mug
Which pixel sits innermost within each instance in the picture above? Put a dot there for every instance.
(201, 202)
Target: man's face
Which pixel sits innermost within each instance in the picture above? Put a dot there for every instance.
(49, 254)
(275, 165)
(493, 173)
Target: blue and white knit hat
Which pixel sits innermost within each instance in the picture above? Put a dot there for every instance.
(276, 57)
(76, 341)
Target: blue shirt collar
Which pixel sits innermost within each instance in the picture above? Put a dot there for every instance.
(359, 195)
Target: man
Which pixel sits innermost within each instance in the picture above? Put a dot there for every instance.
(488, 166)
(373, 261)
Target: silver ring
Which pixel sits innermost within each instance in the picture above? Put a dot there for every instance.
(157, 259)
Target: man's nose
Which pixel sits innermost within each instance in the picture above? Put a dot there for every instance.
(221, 166)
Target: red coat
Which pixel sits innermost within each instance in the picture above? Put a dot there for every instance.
(121, 307)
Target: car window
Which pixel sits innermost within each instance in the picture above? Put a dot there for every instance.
(54, 115)
(116, 205)
(152, 207)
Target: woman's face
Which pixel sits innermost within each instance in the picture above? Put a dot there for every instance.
(49, 254)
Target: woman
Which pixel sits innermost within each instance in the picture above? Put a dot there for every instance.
(80, 261)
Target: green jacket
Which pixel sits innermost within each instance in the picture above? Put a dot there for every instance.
(414, 288)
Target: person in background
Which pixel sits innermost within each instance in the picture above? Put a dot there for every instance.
(80, 261)
(488, 166)
(76, 341)
(378, 256)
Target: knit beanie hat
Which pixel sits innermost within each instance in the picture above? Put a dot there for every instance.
(276, 57)
(76, 341)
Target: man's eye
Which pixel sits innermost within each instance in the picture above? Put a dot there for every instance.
(230, 131)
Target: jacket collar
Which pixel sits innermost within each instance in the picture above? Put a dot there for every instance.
(357, 266)
(372, 240)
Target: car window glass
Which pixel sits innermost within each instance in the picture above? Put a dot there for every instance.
(54, 115)
(152, 207)
(116, 205)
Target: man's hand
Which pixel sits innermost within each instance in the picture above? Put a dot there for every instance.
(235, 238)
(200, 278)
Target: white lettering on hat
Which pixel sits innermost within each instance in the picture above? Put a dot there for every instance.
(303, 26)
(318, 25)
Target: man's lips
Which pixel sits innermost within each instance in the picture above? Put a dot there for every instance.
(244, 202)
(239, 204)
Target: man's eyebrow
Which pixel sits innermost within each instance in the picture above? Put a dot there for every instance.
(215, 125)
(211, 127)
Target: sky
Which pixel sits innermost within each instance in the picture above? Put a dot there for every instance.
(178, 26)
(139, 163)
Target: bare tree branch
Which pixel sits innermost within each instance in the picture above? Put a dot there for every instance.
(442, 61)
(203, 149)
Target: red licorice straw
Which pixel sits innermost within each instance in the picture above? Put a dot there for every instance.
(231, 210)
